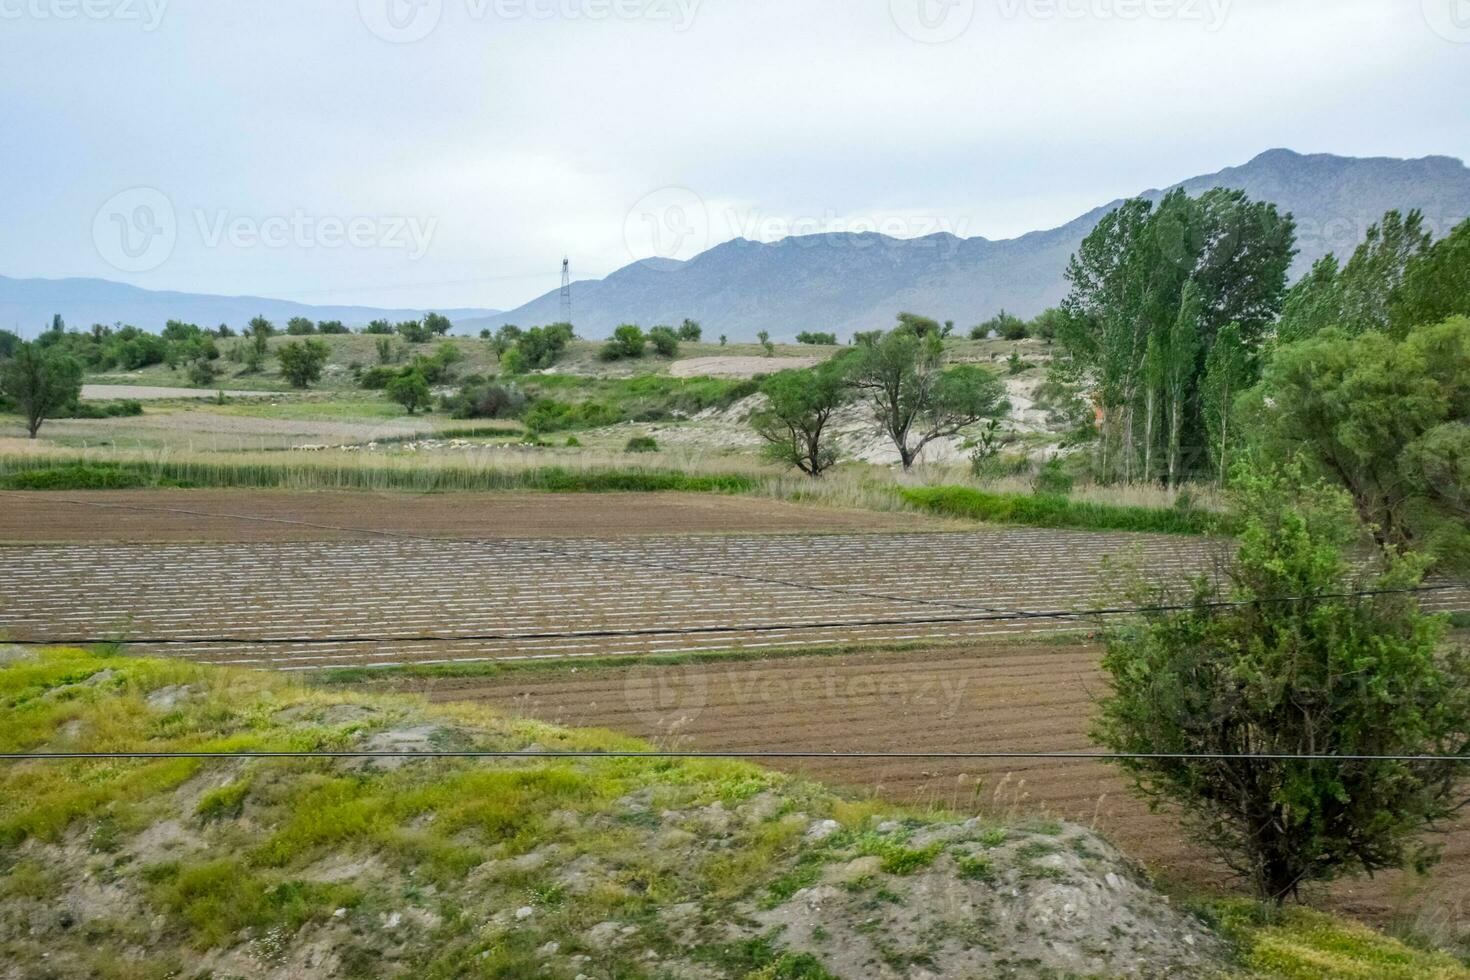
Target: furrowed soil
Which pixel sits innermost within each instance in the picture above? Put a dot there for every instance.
(283, 515)
(1012, 697)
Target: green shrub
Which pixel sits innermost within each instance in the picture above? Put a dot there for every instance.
(1053, 510)
(641, 444)
(664, 341)
(78, 477)
(481, 400)
(627, 341)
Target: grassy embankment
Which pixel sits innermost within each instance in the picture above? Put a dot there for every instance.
(494, 868)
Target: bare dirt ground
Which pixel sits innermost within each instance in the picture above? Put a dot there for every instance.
(282, 515)
(155, 392)
(383, 601)
(398, 598)
(1011, 697)
(736, 367)
(195, 429)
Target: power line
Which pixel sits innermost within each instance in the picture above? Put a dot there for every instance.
(794, 755)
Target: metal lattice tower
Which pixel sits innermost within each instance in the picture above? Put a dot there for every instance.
(566, 290)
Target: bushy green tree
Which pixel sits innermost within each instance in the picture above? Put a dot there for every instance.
(257, 343)
(913, 397)
(922, 326)
(690, 330)
(1294, 666)
(1436, 283)
(664, 340)
(437, 324)
(798, 411)
(1005, 325)
(1387, 420)
(300, 326)
(764, 336)
(1127, 296)
(40, 382)
(815, 337)
(627, 341)
(410, 390)
(332, 327)
(1368, 288)
(302, 361)
(379, 327)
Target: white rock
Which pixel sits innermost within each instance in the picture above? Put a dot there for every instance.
(525, 912)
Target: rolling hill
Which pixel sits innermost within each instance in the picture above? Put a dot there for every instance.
(847, 282)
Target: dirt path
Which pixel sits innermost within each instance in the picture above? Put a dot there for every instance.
(155, 392)
(146, 516)
(989, 698)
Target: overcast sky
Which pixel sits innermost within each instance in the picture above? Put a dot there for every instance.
(448, 152)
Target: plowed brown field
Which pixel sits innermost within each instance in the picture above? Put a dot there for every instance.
(285, 515)
(1036, 698)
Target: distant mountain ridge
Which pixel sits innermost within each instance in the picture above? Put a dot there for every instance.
(846, 282)
(840, 282)
(29, 304)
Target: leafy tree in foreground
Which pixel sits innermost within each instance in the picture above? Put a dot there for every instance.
(1318, 675)
(40, 382)
(913, 397)
(302, 361)
(1388, 420)
(799, 406)
(411, 391)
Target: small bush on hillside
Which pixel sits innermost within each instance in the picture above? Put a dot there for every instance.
(302, 361)
(627, 341)
(810, 337)
(549, 415)
(126, 408)
(537, 348)
(665, 341)
(691, 331)
(641, 444)
(483, 400)
(411, 391)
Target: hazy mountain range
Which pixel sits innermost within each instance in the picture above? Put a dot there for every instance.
(838, 282)
(846, 282)
(29, 304)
